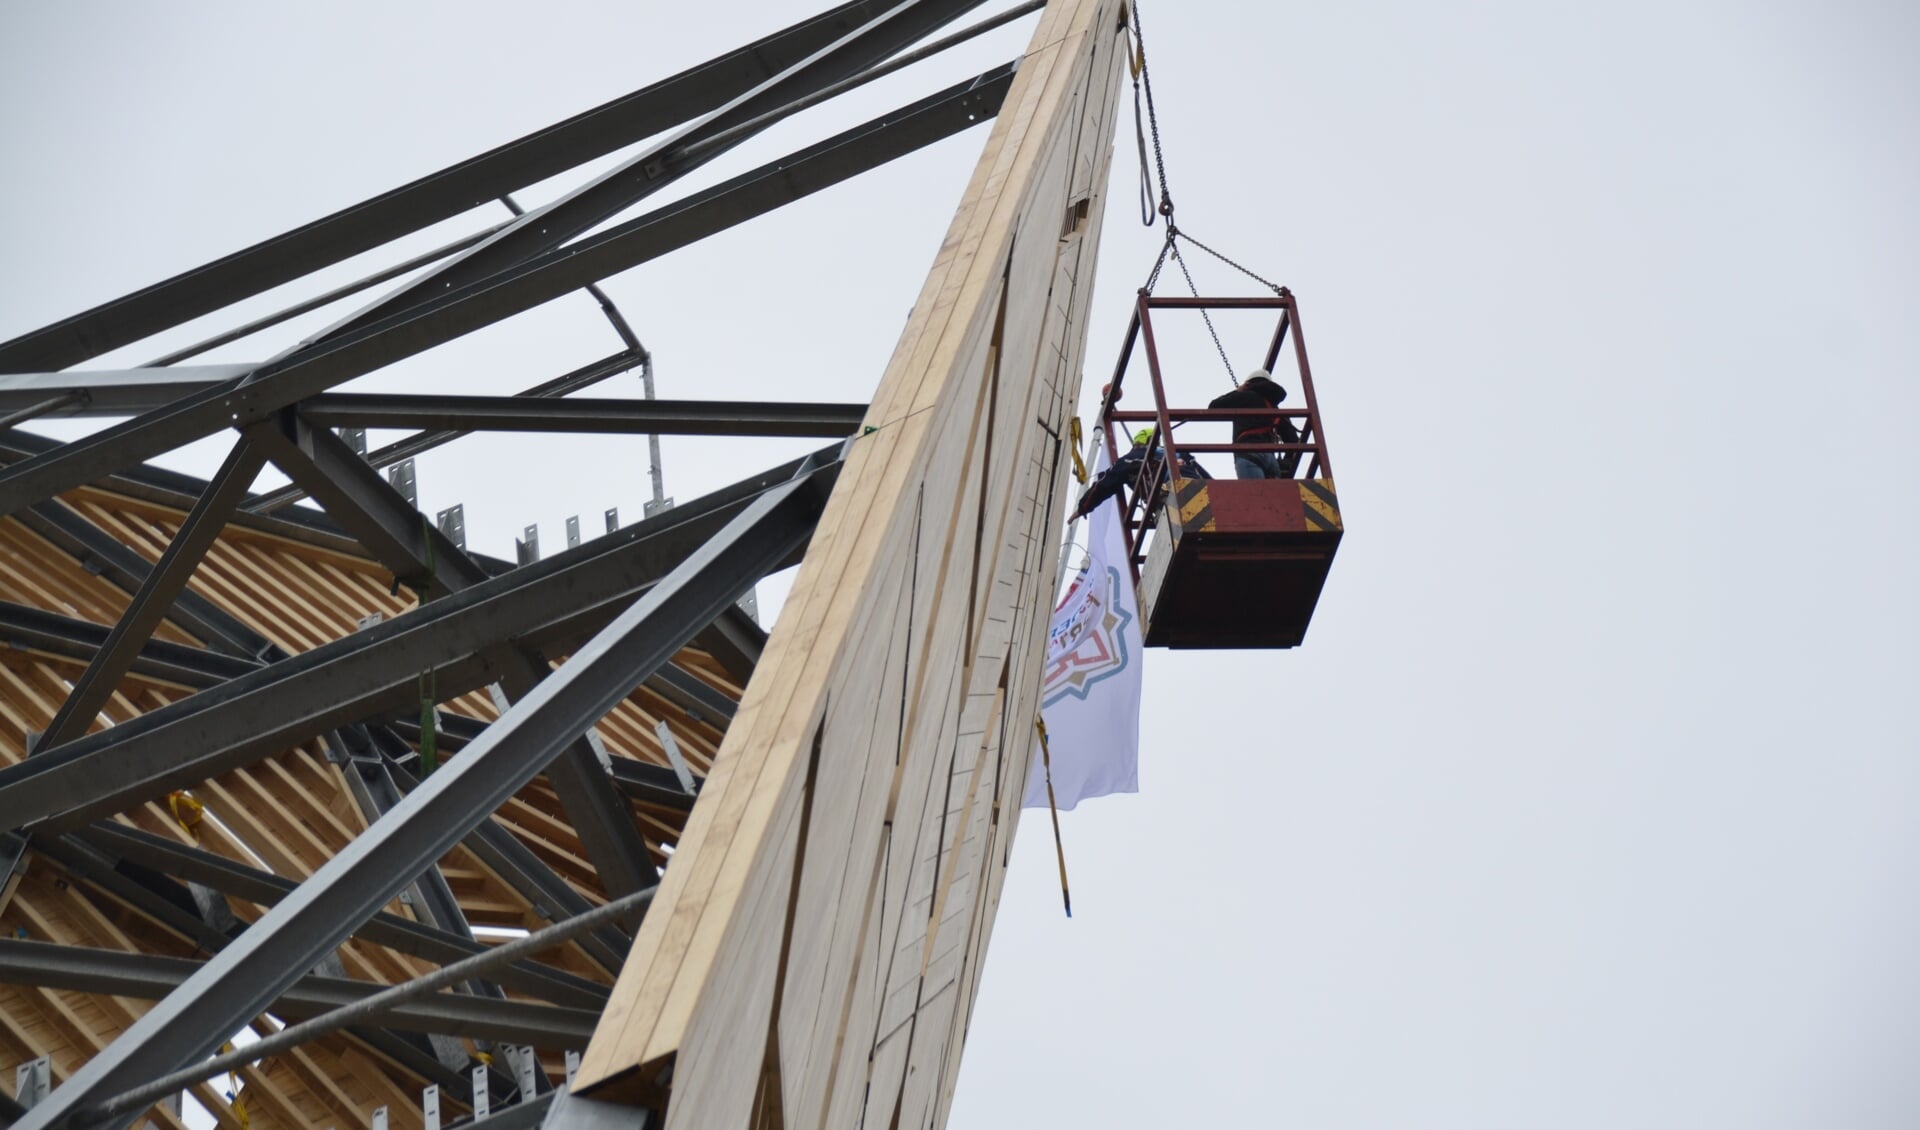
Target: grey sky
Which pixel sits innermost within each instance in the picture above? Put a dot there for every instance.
(1591, 799)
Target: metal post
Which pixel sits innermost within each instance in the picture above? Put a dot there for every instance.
(523, 1069)
(453, 523)
(674, 756)
(401, 476)
(654, 472)
(32, 1080)
(1322, 466)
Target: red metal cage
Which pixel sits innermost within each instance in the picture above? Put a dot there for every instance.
(1226, 563)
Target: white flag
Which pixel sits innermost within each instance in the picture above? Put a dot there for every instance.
(1090, 693)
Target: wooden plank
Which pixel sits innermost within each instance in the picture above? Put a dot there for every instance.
(954, 490)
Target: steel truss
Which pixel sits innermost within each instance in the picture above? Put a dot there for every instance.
(617, 610)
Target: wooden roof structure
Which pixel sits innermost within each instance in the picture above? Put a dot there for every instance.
(260, 762)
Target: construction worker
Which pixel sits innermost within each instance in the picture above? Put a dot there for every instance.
(1258, 390)
(1126, 469)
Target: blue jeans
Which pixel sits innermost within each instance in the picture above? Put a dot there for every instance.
(1256, 465)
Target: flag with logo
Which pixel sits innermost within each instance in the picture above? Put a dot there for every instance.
(1090, 691)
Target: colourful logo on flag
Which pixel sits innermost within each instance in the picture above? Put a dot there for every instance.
(1087, 645)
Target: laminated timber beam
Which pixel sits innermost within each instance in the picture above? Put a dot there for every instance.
(811, 956)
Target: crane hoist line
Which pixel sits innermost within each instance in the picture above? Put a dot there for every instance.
(1217, 562)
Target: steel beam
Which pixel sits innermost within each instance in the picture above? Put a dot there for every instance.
(424, 558)
(162, 487)
(155, 597)
(372, 787)
(653, 784)
(735, 641)
(264, 888)
(608, 416)
(525, 1115)
(151, 977)
(688, 692)
(359, 676)
(116, 392)
(367, 507)
(127, 570)
(160, 898)
(37, 630)
(586, 375)
(641, 780)
(256, 968)
(463, 309)
(550, 896)
(435, 197)
(601, 816)
(659, 165)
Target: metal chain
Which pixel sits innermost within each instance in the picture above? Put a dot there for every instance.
(1153, 276)
(1143, 80)
(1236, 266)
(1206, 317)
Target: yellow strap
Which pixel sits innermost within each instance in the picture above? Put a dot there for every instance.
(186, 811)
(1074, 441)
(235, 1103)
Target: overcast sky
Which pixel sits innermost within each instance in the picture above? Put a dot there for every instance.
(1590, 800)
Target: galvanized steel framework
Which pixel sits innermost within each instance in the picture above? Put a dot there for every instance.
(647, 610)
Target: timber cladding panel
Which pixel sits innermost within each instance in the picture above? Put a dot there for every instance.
(826, 979)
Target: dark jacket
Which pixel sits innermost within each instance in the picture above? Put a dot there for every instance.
(1250, 429)
(1124, 471)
